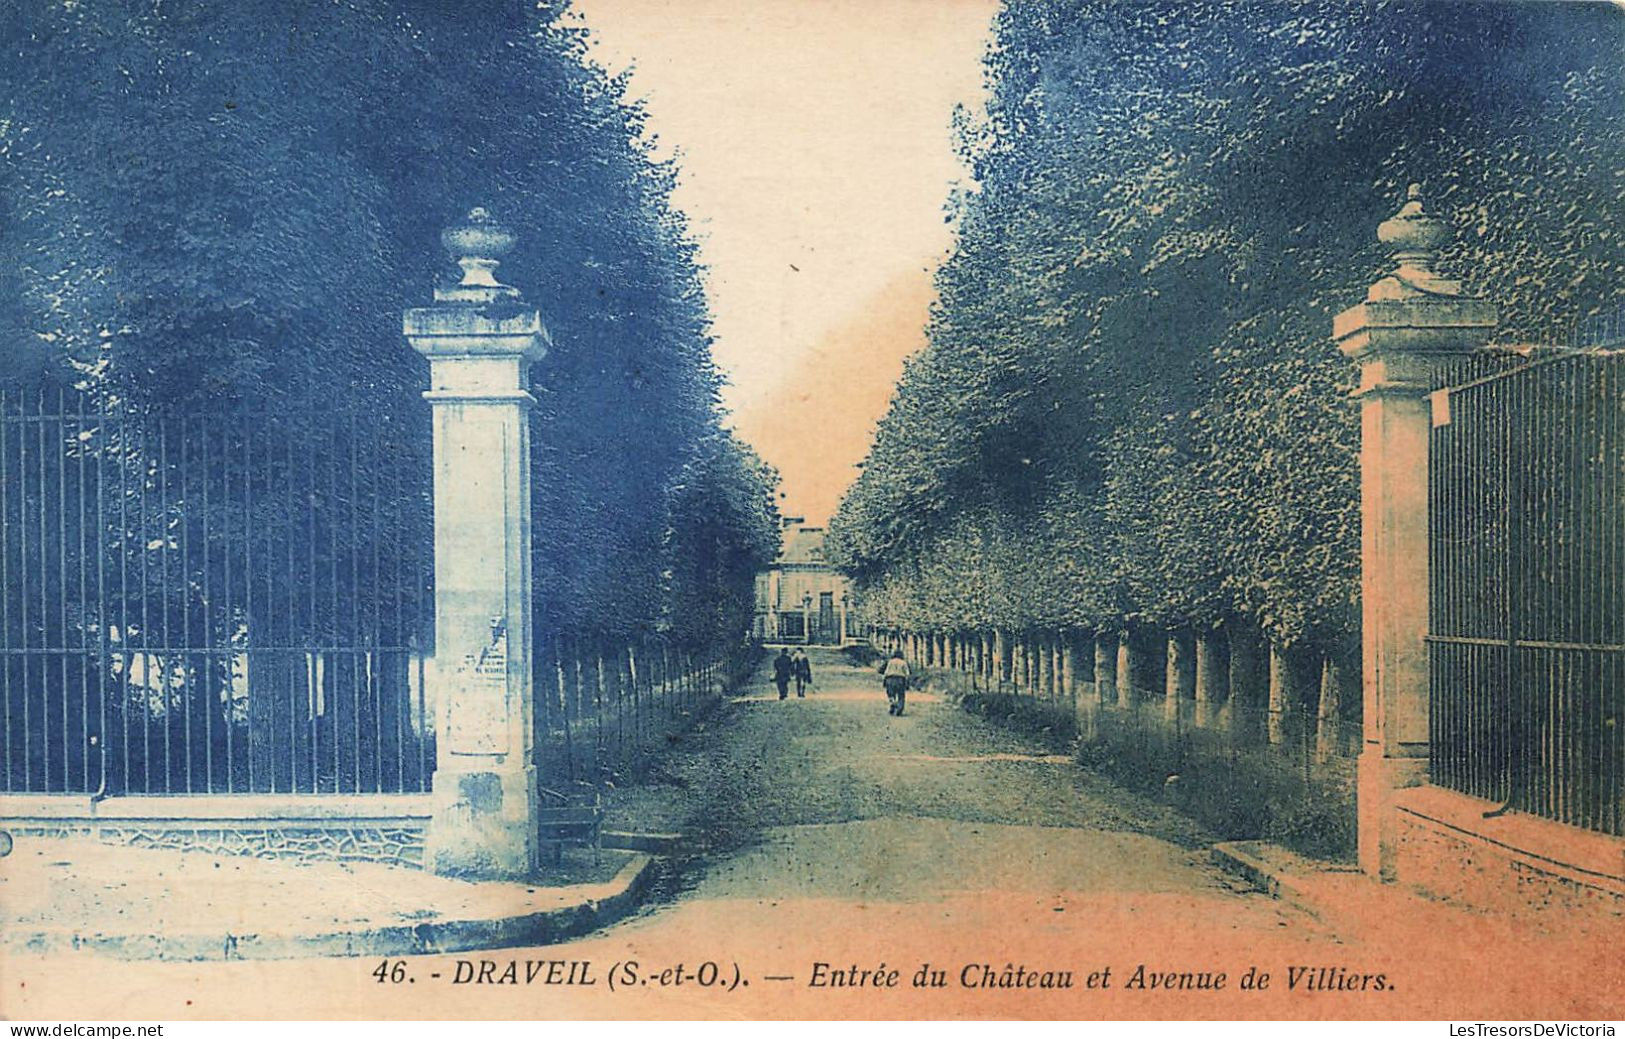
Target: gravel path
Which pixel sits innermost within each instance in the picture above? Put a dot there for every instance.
(833, 793)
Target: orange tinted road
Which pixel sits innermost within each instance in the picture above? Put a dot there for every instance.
(851, 845)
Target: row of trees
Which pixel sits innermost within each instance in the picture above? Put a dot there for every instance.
(1129, 411)
(209, 210)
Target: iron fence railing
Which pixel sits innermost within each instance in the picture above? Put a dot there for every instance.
(227, 602)
(601, 704)
(1246, 769)
(1527, 576)
(1599, 331)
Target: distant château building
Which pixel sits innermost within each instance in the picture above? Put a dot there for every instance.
(801, 598)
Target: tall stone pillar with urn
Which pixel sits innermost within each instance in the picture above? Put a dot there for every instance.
(1412, 322)
(481, 339)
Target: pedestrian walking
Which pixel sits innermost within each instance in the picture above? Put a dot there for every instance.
(803, 671)
(783, 667)
(895, 677)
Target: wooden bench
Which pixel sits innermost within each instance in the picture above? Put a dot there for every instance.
(571, 819)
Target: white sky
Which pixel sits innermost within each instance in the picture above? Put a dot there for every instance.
(816, 154)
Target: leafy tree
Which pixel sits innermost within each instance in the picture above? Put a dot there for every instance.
(208, 210)
(1128, 371)
(725, 528)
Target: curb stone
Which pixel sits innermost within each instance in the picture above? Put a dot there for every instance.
(430, 937)
(1278, 873)
(651, 843)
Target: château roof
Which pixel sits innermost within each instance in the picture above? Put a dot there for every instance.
(803, 546)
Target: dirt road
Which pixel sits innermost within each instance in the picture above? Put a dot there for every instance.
(846, 845)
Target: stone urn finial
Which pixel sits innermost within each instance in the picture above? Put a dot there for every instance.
(478, 244)
(1414, 237)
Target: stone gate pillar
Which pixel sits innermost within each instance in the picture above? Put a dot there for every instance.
(480, 341)
(1412, 322)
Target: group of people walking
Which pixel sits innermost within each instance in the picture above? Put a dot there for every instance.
(788, 667)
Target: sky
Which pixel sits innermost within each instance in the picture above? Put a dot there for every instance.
(816, 155)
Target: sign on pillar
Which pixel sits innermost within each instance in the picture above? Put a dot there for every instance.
(480, 340)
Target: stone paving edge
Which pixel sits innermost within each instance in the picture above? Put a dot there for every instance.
(430, 937)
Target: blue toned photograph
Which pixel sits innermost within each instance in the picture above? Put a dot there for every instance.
(811, 510)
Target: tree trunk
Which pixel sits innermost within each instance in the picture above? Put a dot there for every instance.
(1211, 678)
(1069, 671)
(1106, 668)
(1283, 693)
(1248, 681)
(1180, 683)
(1126, 693)
(1335, 736)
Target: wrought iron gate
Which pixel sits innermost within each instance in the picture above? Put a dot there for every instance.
(1527, 537)
(212, 603)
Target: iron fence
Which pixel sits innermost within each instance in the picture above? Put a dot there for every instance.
(602, 704)
(1245, 769)
(1599, 331)
(1527, 576)
(228, 602)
